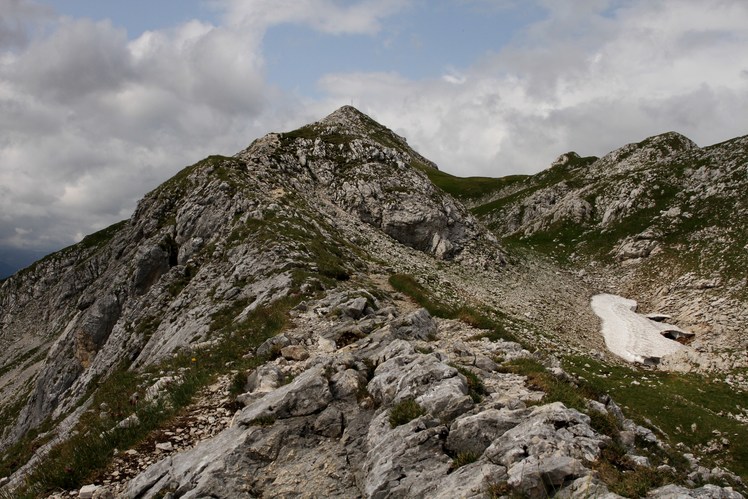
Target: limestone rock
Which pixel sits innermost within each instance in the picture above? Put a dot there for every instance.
(416, 325)
(474, 433)
(306, 394)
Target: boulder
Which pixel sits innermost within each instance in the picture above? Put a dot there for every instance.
(474, 433)
(294, 352)
(417, 325)
(403, 461)
(306, 394)
(436, 386)
(709, 491)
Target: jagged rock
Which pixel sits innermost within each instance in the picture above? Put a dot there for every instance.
(151, 262)
(585, 487)
(355, 308)
(402, 461)
(273, 345)
(87, 491)
(474, 433)
(95, 326)
(673, 491)
(330, 423)
(546, 449)
(306, 394)
(264, 379)
(470, 481)
(537, 476)
(416, 325)
(345, 383)
(436, 386)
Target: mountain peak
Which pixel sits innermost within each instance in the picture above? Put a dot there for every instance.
(345, 112)
(350, 120)
(670, 141)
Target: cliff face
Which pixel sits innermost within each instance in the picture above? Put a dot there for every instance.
(277, 293)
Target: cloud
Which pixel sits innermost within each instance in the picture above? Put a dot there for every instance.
(15, 18)
(590, 76)
(328, 16)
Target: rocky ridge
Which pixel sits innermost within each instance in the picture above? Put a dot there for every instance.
(327, 416)
(316, 222)
(659, 221)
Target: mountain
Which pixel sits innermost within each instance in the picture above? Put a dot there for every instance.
(326, 313)
(661, 221)
(13, 259)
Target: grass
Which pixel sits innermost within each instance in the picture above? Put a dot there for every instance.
(674, 402)
(556, 389)
(466, 188)
(476, 388)
(81, 458)
(405, 412)
(408, 285)
(464, 458)
(491, 322)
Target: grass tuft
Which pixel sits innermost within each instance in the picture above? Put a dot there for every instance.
(405, 412)
(476, 388)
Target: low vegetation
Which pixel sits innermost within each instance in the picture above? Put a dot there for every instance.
(467, 189)
(405, 412)
(492, 322)
(476, 388)
(688, 407)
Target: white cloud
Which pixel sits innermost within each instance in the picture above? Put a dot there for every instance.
(591, 76)
(329, 16)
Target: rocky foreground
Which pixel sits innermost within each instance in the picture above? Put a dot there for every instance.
(417, 407)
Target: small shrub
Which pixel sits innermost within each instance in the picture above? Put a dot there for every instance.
(238, 382)
(464, 458)
(605, 424)
(476, 388)
(405, 412)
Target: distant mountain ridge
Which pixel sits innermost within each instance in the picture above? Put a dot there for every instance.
(661, 220)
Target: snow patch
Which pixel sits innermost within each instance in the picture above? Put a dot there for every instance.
(632, 336)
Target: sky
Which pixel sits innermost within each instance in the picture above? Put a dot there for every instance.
(102, 100)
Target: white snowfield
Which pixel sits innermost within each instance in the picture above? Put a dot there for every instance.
(632, 336)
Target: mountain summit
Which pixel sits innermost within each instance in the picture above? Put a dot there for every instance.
(321, 315)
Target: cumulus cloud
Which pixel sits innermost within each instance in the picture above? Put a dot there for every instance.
(15, 18)
(590, 76)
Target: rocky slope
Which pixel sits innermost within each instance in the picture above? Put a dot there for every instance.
(661, 221)
(245, 334)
